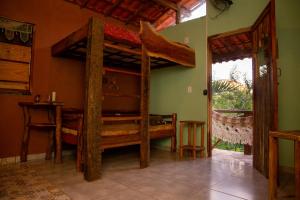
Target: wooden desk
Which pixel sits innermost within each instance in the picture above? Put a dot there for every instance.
(54, 109)
(192, 130)
(273, 160)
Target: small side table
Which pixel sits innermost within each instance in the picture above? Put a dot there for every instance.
(54, 123)
(192, 133)
(273, 160)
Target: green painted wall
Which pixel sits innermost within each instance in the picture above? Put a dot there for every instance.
(169, 86)
(241, 14)
(288, 31)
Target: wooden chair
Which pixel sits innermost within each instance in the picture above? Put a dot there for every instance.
(71, 132)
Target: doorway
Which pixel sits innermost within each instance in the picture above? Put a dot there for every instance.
(259, 43)
(232, 109)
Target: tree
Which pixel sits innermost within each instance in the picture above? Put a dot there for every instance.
(232, 94)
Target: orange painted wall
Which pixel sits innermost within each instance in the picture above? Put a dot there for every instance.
(54, 19)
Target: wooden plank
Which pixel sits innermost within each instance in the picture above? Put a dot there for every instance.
(297, 169)
(230, 33)
(125, 118)
(109, 69)
(75, 37)
(14, 86)
(288, 135)
(273, 169)
(58, 122)
(13, 52)
(93, 100)
(158, 46)
(145, 90)
(13, 71)
(121, 48)
(209, 106)
(274, 66)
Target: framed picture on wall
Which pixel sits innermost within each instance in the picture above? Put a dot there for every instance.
(16, 53)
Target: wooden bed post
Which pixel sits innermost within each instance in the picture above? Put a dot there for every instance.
(145, 88)
(93, 100)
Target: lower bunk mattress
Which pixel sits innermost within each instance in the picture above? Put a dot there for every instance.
(115, 135)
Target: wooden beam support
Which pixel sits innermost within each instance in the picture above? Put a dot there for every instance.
(93, 100)
(145, 88)
(113, 7)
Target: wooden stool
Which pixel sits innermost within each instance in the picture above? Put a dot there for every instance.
(273, 160)
(192, 130)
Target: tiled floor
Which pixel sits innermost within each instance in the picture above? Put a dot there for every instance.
(224, 177)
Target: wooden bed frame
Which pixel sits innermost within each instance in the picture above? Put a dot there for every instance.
(104, 53)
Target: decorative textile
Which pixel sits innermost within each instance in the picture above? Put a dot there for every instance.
(23, 182)
(232, 129)
(18, 32)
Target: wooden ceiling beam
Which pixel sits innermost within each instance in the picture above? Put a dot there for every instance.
(137, 12)
(167, 4)
(113, 7)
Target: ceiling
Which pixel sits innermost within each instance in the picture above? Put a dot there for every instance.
(160, 13)
(231, 47)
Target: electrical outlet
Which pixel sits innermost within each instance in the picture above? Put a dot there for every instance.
(186, 40)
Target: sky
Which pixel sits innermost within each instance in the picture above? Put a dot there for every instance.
(222, 70)
(197, 13)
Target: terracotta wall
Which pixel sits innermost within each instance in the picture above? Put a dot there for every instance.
(54, 19)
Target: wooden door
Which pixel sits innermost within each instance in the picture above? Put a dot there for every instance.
(265, 86)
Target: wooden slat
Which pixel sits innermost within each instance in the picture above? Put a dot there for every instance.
(69, 41)
(145, 90)
(14, 52)
(93, 99)
(14, 85)
(297, 168)
(13, 71)
(125, 118)
(289, 135)
(108, 69)
(158, 46)
(122, 48)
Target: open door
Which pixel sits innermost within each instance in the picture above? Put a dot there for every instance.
(265, 86)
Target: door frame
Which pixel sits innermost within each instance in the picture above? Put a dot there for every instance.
(209, 81)
(274, 90)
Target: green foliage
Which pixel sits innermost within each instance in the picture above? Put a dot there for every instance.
(231, 94)
(237, 99)
(229, 146)
(220, 86)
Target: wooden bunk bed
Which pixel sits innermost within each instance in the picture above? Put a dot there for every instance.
(117, 73)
